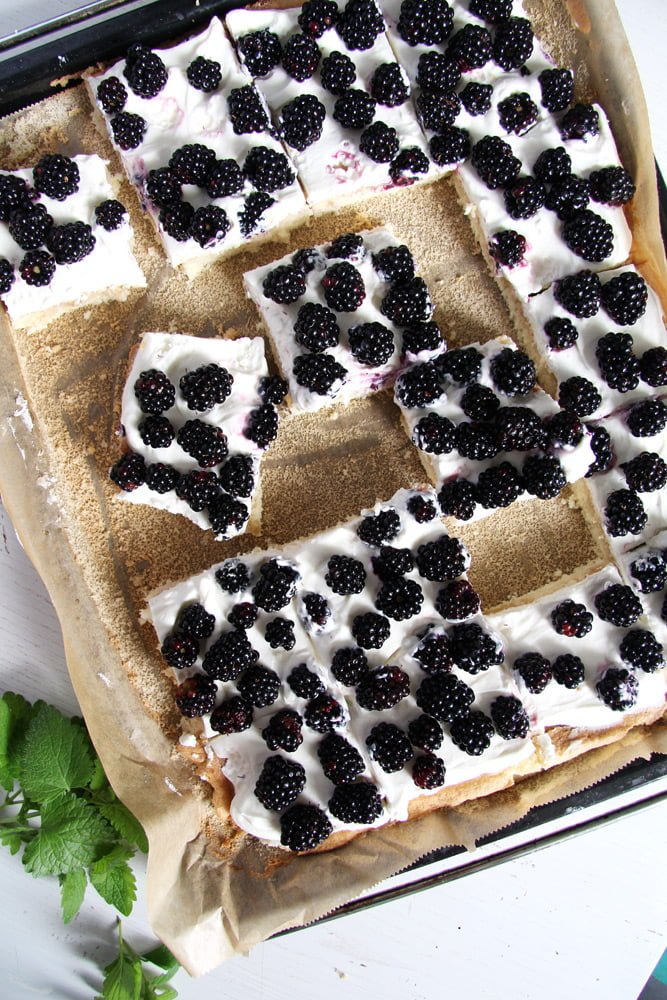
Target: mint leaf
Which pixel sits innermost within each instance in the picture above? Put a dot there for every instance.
(123, 978)
(99, 778)
(125, 823)
(20, 713)
(71, 836)
(6, 777)
(114, 879)
(72, 891)
(163, 958)
(54, 756)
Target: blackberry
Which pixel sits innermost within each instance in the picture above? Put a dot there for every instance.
(262, 427)
(425, 22)
(436, 111)
(477, 440)
(206, 386)
(394, 263)
(337, 73)
(444, 558)
(341, 762)
(195, 696)
(571, 619)
(301, 121)
(653, 366)
(345, 575)
(204, 442)
(204, 74)
(495, 162)
(425, 732)
(356, 803)
(444, 697)
(543, 476)
(476, 98)
(259, 685)
(316, 328)
(37, 268)
(553, 165)
(323, 713)
(243, 615)
(564, 429)
(195, 621)
(499, 486)
(112, 95)
(392, 563)
(128, 129)
(612, 186)
(7, 276)
(354, 109)
(261, 51)
(579, 294)
(349, 664)
(493, 11)
(513, 43)
(254, 207)
(176, 220)
(428, 771)
(284, 284)
(513, 372)
(128, 472)
(507, 247)
(30, 227)
(458, 498)
(650, 572)
(279, 633)
(343, 286)
(280, 782)
(283, 731)
(534, 670)
(144, 71)
(304, 683)
(276, 585)
(317, 16)
(437, 74)
(382, 688)
(110, 214)
(359, 23)
(179, 651)
(524, 196)
(347, 246)
(233, 715)
(419, 386)
(421, 508)
(434, 653)
(422, 338)
(233, 576)
(579, 395)
(557, 87)
(316, 612)
(517, 113)
(618, 689)
(589, 236)
(379, 142)
(389, 747)
(624, 298)
(452, 145)
(370, 630)
(618, 605)
(624, 514)
(561, 333)
(457, 601)
(647, 418)
(400, 599)
(568, 196)
(371, 343)
(518, 428)
(388, 85)
(272, 389)
(473, 649)
(236, 476)
(318, 372)
(374, 529)
(301, 57)
(156, 432)
(470, 47)
(198, 489)
(568, 670)
(405, 168)
(641, 650)
(14, 195)
(229, 655)
(223, 178)
(267, 169)
(209, 225)
(618, 365)
(510, 718)
(407, 302)
(190, 164)
(472, 733)
(579, 122)
(247, 112)
(463, 365)
(303, 827)
(434, 434)
(56, 176)
(646, 472)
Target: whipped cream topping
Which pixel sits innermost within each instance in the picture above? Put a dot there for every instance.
(109, 268)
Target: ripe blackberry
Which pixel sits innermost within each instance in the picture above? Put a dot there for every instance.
(14, 195)
(110, 214)
(317, 16)
(624, 298)
(323, 713)
(564, 430)
(442, 559)
(37, 268)
(195, 621)
(128, 472)
(405, 168)
(345, 575)
(156, 432)
(568, 196)
(389, 747)
(425, 732)
(517, 113)
(354, 109)
(30, 227)
(568, 670)
(356, 803)
(379, 142)
(276, 585)
(374, 529)
(434, 434)
(206, 386)
(318, 372)
(259, 685)
(198, 489)
(647, 418)
(337, 73)
(557, 87)
(272, 389)
(443, 696)
(304, 683)
(476, 98)
(382, 688)
(561, 333)
(195, 696)
(579, 395)
(233, 576)
(144, 71)
(579, 293)
(283, 731)
(650, 572)
(513, 43)
(179, 651)
(421, 508)
(359, 23)
(612, 186)
(499, 486)
(493, 11)
(618, 605)
(472, 733)
(470, 47)
(237, 477)
(618, 688)
(422, 338)
(128, 129)
(624, 514)
(513, 372)
(301, 57)
(419, 386)
(389, 86)
(347, 246)
(400, 599)
(535, 671)
(579, 122)
(452, 145)
(392, 563)
(303, 827)
(507, 247)
(407, 302)
(589, 236)
(262, 427)
(267, 169)
(341, 762)
(209, 225)
(349, 664)
(223, 178)
(543, 476)
(343, 286)
(229, 655)
(7, 276)
(112, 95)
(370, 630)
(279, 633)
(494, 161)
(641, 650)
(618, 365)
(56, 176)
(280, 782)
(425, 22)
(254, 207)
(394, 263)
(518, 428)
(509, 717)
(653, 366)
(204, 442)
(284, 284)
(371, 343)
(457, 601)
(646, 472)
(571, 619)
(176, 220)
(462, 365)
(437, 74)
(247, 112)
(190, 164)
(458, 498)
(428, 771)
(243, 615)
(436, 111)
(260, 51)
(477, 440)
(316, 612)
(524, 196)
(204, 74)
(233, 715)
(553, 165)
(434, 653)
(316, 328)
(301, 121)
(473, 649)
(71, 242)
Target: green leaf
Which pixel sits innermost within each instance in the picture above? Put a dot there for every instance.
(125, 823)
(99, 779)
(123, 978)
(72, 891)
(54, 757)
(114, 879)
(6, 777)
(71, 836)
(20, 713)
(12, 840)
(163, 958)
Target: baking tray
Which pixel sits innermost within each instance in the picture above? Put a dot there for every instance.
(61, 48)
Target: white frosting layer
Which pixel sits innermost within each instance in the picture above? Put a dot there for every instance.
(108, 269)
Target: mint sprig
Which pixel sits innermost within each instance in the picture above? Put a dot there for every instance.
(127, 978)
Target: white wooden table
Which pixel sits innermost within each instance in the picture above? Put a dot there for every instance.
(583, 918)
